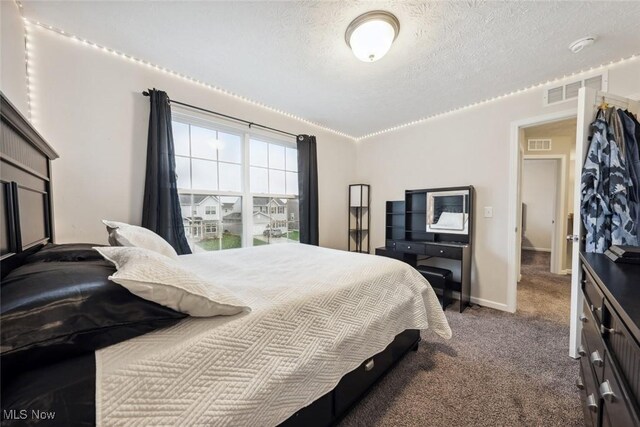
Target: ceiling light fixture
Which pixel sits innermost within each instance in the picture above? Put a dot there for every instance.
(371, 34)
(580, 44)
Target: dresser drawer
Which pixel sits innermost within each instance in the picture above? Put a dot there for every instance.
(589, 393)
(624, 350)
(410, 247)
(444, 251)
(593, 294)
(593, 339)
(617, 410)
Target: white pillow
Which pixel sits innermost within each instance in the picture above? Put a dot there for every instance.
(451, 220)
(122, 234)
(156, 278)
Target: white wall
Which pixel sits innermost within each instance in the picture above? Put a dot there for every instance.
(563, 143)
(467, 147)
(539, 190)
(90, 108)
(13, 81)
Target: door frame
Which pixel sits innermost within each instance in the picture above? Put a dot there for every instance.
(559, 209)
(514, 217)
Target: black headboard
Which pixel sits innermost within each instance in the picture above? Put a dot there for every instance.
(26, 211)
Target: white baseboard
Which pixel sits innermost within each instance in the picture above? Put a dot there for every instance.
(491, 304)
(526, 248)
(566, 271)
(480, 301)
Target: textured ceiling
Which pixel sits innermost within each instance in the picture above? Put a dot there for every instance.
(292, 55)
(559, 128)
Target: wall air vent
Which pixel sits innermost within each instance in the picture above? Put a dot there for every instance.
(568, 91)
(539, 145)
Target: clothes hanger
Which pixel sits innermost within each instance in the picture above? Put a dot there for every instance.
(604, 105)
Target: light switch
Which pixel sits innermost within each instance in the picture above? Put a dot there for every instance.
(488, 212)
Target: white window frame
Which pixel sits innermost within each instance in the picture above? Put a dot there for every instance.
(187, 116)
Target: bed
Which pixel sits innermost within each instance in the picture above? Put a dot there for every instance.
(324, 326)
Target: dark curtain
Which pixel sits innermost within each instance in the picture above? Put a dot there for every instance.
(161, 208)
(308, 189)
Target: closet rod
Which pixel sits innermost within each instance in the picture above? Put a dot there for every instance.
(246, 122)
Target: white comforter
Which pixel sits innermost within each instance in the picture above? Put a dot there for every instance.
(316, 315)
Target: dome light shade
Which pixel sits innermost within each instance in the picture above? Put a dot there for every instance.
(371, 35)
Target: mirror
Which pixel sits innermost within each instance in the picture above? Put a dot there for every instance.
(448, 212)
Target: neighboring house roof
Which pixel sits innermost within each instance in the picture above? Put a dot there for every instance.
(264, 201)
(196, 199)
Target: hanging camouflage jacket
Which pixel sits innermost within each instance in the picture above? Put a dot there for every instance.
(604, 188)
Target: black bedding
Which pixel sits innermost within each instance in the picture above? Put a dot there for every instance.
(62, 394)
(55, 310)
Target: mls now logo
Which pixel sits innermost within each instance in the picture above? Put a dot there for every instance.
(23, 414)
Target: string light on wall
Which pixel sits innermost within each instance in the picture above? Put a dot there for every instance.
(31, 24)
(499, 97)
(80, 40)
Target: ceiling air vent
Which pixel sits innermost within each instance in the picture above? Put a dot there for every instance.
(566, 92)
(539, 145)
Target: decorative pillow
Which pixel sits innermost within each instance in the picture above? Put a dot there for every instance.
(164, 281)
(70, 252)
(54, 310)
(122, 234)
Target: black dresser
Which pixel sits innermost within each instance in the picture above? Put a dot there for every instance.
(610, 342)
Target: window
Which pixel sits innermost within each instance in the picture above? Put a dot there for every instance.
(273, 171)
(210, 169)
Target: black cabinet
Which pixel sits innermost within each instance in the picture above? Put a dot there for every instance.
(609, 349)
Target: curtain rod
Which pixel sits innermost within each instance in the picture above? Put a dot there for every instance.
(247, 122)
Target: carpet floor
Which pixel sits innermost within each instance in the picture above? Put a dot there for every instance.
(499, 369)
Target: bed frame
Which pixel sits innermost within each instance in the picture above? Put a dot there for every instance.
(26, 222)
(26, 211)
(333, 406)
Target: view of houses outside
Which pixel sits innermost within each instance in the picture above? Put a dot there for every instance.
(215, 222)
(209, 161)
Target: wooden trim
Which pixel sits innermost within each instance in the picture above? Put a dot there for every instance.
(20, 124)
(19, 165)
(23, 134)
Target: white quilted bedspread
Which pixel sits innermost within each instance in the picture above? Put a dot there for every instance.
(316, 315)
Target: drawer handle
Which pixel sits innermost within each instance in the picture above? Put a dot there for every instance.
(592, 404)
(596, 359)
(369, 365)
(583, 318)
(605, 330)
(441, 251)
(606, 392)
(580, 384)
(581, 351)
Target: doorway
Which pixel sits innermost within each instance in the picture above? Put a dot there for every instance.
(541, 209)
(546, 183)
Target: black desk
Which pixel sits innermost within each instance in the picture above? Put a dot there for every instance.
(411, 252)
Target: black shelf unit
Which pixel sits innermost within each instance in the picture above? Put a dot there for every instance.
(407, 238)
(359, 218)
(394, 224)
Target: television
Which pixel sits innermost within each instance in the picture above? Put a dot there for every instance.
(448, 211)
